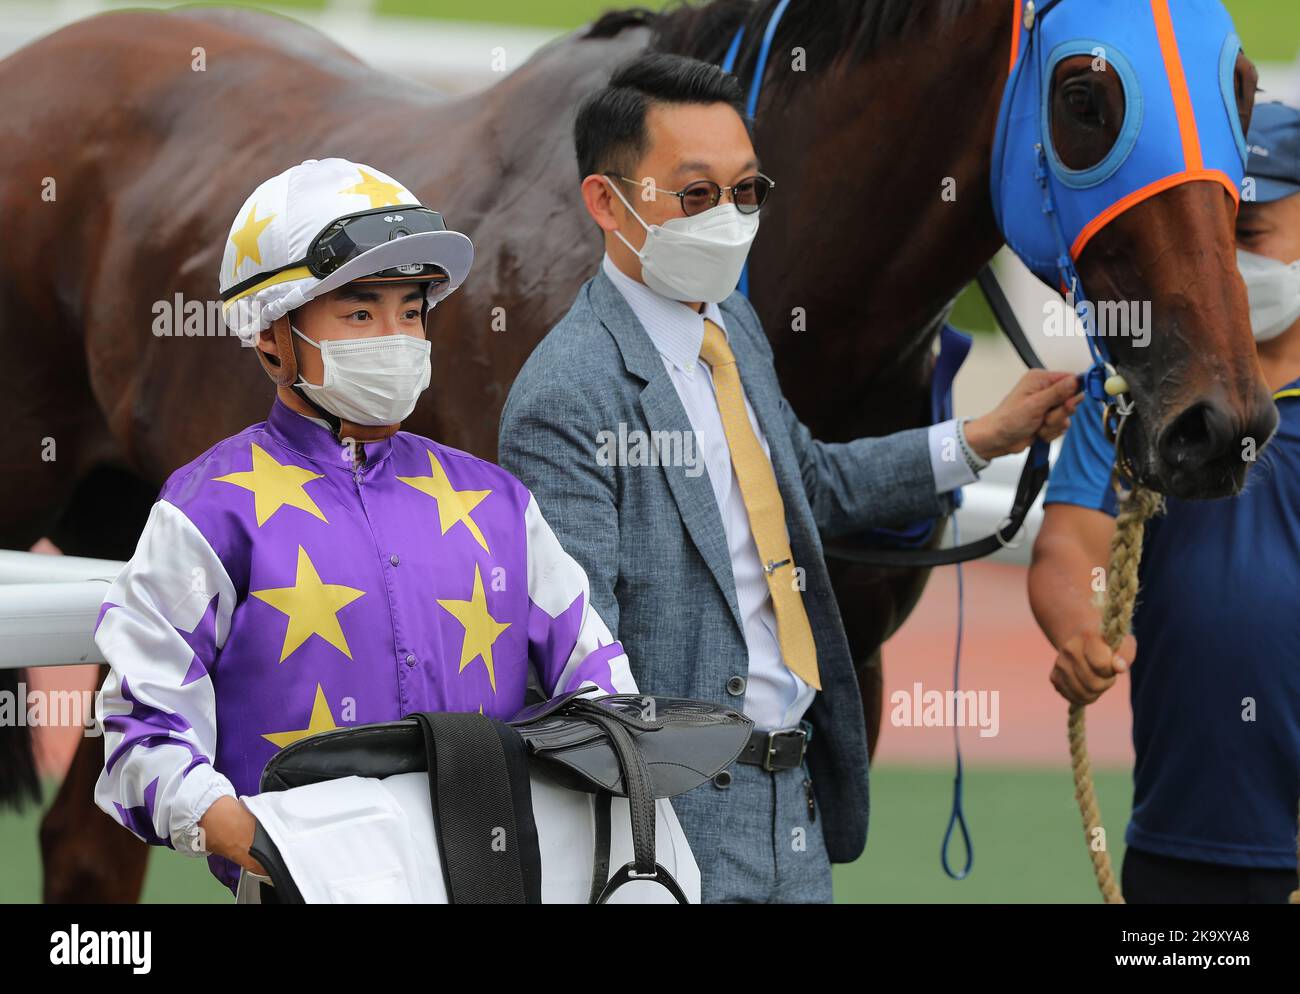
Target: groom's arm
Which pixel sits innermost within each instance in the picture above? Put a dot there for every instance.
(873, 482)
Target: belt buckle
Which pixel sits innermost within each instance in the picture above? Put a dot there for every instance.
(771, 746)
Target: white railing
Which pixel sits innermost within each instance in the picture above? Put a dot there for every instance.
(48, 608)
(49, 604)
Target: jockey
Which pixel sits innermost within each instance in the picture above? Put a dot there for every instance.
(324, 569)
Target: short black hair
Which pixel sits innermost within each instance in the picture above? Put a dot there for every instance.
(610, 133)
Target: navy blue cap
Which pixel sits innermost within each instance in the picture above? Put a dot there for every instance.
(1274, 152)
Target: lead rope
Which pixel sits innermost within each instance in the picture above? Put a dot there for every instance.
(1117, 619)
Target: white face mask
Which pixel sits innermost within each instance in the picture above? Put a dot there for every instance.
(697, 258)
(1273, 288)
(370, 381)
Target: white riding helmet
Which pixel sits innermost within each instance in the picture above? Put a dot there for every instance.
(326, 223)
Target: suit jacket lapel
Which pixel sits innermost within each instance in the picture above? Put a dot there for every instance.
(663, 411)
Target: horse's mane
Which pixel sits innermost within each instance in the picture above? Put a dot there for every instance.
(826, 29)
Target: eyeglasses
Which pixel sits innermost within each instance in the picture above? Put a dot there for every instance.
(748, 195)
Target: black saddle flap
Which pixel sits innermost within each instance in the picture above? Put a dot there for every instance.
(379, 750)
(684, 742)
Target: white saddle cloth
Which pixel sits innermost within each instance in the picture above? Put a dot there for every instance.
(359, 840)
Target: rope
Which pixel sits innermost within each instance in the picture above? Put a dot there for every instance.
(1121, 594)
(1116, 622)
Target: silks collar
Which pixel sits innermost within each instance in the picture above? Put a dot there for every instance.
(1181, 124)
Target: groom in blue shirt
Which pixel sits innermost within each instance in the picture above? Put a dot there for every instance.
(1214, 658)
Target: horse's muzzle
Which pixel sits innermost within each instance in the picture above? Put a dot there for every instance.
(1207, 449)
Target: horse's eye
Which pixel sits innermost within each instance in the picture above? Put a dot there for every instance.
(1082, 103)
(1088, 110)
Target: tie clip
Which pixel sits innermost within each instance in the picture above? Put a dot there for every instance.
(772, 567)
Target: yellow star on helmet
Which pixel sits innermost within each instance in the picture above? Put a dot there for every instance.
(320, 721)
(481, 629)
(312, 607)
(245, 239)
(274, 485)
(381, 194)
(453, 505)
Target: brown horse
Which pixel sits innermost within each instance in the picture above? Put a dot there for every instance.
(118, 195)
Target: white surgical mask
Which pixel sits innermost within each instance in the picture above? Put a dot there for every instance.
(370, 381)
(697, 258)
(1273, 288)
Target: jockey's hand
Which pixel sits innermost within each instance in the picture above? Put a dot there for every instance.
(228, 828)
(1039, 406)
(1086, 668)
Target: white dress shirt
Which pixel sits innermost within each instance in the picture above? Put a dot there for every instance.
(775, 697)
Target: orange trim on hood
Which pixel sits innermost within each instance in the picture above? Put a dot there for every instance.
(1147, 192)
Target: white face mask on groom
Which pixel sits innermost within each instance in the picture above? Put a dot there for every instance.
(697, 258)
(1273, 289)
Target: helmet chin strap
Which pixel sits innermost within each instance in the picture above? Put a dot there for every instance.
(284, 373)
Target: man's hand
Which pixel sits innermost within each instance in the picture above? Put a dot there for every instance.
(1039, 406)
(228, 828)
(1086, 668)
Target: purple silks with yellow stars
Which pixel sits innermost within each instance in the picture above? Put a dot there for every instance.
(281, 590)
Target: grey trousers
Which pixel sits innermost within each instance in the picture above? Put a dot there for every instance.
(772, 849)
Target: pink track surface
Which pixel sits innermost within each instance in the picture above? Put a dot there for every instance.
(1002, 650)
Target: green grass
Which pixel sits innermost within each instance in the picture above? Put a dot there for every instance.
(1025, 828)
(1269, 29)
(1028, 843)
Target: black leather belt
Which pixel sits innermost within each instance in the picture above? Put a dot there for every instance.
(780, 750)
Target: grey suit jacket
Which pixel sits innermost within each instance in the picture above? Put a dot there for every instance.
(652, 542)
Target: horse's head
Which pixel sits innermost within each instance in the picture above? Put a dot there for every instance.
(1120, 155)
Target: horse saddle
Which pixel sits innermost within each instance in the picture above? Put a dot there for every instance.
(639, 747)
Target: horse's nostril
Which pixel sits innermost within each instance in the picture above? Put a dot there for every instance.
(1201, 433)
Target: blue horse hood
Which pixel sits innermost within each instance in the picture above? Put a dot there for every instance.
(1176, 62)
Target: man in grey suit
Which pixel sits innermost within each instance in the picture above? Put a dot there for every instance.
(650, 426)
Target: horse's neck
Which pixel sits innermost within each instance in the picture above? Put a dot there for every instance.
(884, 216)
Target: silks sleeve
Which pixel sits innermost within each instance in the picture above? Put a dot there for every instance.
(161, 629)
(568, 644)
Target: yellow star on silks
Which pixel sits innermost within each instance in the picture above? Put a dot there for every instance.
(245, 239)
(274, 485)
(453, 505)
(320, 721)
(481, 629)
(312, 607)
(381, 194)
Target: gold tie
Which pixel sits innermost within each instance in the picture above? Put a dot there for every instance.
(765, 508)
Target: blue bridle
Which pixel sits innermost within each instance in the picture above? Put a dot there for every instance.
(755, 84)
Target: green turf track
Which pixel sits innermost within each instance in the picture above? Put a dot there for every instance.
(1028, 843)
